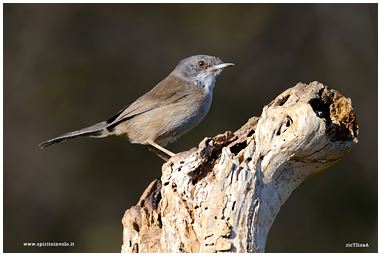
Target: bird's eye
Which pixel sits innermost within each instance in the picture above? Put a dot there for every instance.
(201, 63)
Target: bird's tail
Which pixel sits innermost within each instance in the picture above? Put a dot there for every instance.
(97, 130)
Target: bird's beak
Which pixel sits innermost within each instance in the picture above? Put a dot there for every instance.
(220, 66)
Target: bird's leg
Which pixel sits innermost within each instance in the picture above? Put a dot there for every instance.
(158, 153)
(159, 150)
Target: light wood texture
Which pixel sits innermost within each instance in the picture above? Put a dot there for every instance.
(224, 195)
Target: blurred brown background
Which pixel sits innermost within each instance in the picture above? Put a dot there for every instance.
(67, 66)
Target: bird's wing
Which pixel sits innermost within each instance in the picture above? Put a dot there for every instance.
(157, 97)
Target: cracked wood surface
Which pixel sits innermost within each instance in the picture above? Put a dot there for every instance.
(224, 195)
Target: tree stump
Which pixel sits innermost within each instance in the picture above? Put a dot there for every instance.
(224, 195)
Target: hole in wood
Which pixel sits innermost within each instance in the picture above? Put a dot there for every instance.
(238, 147)
(135, 226)
(283, 100)
(321, 109)
(250, 133)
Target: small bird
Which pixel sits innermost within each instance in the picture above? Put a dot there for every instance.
(173, 107)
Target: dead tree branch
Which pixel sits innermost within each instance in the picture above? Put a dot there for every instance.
(224, 195)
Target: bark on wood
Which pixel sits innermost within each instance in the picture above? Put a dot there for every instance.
(224, 195)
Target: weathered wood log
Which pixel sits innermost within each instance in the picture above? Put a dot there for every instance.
(224, 195)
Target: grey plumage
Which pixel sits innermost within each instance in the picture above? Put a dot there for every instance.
(92, 131)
